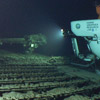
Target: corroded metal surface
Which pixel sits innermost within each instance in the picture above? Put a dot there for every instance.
(29, 82)
(30, 77)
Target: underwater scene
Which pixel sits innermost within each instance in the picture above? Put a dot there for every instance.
(49, 50)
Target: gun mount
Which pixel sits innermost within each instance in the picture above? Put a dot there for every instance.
(29, 42)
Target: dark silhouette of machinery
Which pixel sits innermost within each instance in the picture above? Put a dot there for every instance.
(29, 42)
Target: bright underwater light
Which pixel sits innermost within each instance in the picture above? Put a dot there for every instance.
(62, 30)
(32, 45)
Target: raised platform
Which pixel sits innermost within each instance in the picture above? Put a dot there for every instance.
(22, 79)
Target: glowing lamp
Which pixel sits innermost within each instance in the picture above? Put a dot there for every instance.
(62, 30)
(32, 45)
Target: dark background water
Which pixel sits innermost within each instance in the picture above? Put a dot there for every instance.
(22, 17)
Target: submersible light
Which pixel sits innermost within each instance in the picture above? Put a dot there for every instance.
(62, 30)
(32, 45)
